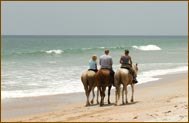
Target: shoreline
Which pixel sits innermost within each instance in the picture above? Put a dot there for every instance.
(19, 109)
(167, 76)
(143, 77)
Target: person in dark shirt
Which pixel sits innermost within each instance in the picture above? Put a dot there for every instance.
(126, 62)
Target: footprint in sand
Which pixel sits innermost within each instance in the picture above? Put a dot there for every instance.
(135, 117)
(156, 114)
(167, 112)
(151, 115)
(109, 120)
(168, 101)
(182, 117)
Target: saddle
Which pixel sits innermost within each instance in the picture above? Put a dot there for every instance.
(93, 70)
(128, 69)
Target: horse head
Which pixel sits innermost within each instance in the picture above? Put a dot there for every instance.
(135, 68)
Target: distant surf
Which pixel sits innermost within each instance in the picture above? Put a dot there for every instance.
(54, 51)
(62, 51)
(147, 47)
(85, 49)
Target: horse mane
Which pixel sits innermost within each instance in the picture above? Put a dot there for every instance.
(135, 67)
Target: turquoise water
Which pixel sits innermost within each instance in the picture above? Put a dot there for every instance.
(43, 65)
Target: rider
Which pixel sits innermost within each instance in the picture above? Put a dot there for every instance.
(107, 62)
(93, 63)
(126, 62)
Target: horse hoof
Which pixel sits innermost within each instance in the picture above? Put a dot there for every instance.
(101, 104)
(88, 104)
(115, 104)
(132, 100)
(109, 102)
(126, 102)
(123, 103)
(91, 101)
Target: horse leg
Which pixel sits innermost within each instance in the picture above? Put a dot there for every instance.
(103, 95)
(126, 94)
(117, 95)
(97, 95)
(109, 89)
(132, 87)
(87, 95)
(103, 90)
(93, 96)
(123, 94)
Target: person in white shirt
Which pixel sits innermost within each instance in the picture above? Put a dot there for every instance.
(107, 62)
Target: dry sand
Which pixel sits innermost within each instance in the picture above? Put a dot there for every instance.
(163, 100)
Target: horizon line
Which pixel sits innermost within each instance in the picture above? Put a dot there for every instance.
(94, 35)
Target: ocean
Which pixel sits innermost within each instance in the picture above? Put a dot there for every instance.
(47, 65)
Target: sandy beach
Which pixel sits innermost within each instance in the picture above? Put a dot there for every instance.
(162, 100)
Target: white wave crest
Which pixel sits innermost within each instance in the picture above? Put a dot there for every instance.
(101, 47)
(147, 47)
(86, 48)
(154, 75)
(54, 51)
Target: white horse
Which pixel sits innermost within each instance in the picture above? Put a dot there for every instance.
(122, 76)
(88, 79)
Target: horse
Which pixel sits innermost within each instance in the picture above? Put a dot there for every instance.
(122, 76)
(104, 79)
(88, 79)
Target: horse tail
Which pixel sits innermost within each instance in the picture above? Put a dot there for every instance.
(119, 81)
(99, 78)
(84, 81)
(83, 78)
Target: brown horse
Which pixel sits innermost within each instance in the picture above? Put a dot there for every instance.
(88, 79)
(104, 79)
(122, 76)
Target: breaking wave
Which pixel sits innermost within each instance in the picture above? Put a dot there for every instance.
(147, 47)
(54, 51)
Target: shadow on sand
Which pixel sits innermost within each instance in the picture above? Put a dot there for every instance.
(131, 103)
(112, 104)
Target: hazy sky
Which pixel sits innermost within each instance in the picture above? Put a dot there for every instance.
(94, 18)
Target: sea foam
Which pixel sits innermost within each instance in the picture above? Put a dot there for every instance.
(55, 83)
(153, 75)
(147, 47)
(54, 51)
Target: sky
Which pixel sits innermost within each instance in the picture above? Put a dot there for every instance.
(94, 18)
